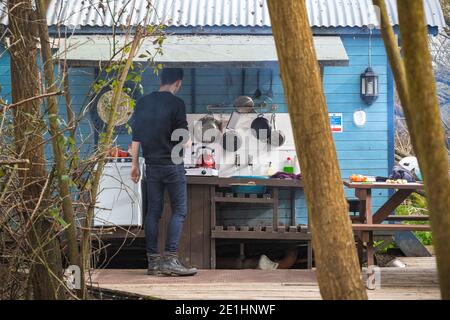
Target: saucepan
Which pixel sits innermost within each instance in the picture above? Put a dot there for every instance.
(208, 129)
(244, 104)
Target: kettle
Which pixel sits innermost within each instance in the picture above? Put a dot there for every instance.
(206, 158)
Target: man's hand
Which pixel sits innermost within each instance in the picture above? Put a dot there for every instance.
(135, 173)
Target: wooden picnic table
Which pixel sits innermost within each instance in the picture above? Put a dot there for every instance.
(368, 222)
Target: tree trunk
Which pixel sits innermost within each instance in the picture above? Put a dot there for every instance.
(424, 120)
(57, 143)
(58, 146)
(338, 271)
(46, 268)
(395, 58)
(445, 4)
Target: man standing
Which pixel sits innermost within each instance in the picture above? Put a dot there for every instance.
(157, 116)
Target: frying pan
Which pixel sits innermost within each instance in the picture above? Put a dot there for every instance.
(231, 141)
(261, 128)
(277, 137)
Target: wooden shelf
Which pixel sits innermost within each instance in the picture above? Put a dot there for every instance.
(291, 232)
(244, 200)
(260, 235)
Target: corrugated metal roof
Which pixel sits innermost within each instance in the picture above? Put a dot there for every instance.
(254, 13)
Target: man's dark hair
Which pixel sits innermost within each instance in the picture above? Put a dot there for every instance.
(170, 75)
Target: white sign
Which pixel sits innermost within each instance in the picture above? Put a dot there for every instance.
(336, 122)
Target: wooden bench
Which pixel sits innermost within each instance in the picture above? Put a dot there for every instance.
(390, 227)
(408, 218)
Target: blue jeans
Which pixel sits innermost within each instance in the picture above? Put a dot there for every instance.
(160, 177)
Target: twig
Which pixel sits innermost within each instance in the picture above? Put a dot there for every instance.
(15, 161)
(13, 105)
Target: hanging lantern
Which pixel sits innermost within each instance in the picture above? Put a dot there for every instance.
(369, 86)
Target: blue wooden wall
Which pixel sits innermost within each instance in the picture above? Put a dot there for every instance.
(360, 150)
(5, 75)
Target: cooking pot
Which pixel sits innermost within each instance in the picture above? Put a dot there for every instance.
(244, 104)
(207, 129)
(261, 128)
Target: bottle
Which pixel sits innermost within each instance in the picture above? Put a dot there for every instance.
(288, 165)
(270, 170)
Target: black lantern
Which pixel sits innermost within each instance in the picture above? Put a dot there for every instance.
(369, 86)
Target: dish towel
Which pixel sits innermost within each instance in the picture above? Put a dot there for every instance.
(284, 175)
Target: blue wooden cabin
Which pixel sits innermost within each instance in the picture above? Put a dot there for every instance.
(353, 24)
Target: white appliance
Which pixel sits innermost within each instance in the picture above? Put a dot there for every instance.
(201, 172)
(120, 200)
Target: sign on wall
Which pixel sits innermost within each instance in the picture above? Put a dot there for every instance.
(336, 122)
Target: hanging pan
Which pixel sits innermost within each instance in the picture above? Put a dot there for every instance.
(231, 141)
(277, 137)
(261, 128)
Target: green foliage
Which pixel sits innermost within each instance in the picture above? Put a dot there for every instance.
(391, 245)
(55, 214)
(416, 205)
(68, 180)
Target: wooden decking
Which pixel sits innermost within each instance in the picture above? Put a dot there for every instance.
(417, 281)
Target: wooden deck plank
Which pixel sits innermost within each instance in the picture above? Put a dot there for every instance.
(417, 281)
(419, 262)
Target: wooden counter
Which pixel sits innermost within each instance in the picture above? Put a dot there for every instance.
(203, 200)
(197, 243)
(224, 182)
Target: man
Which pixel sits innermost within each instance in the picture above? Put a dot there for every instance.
(159, 118)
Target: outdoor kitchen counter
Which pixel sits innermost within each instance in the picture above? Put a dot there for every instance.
(197, 243)
(224, 182)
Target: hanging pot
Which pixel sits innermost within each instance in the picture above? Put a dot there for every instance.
(231, 141)
(277, 137)
(207, 129)
(244, 104)
(261, 128)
